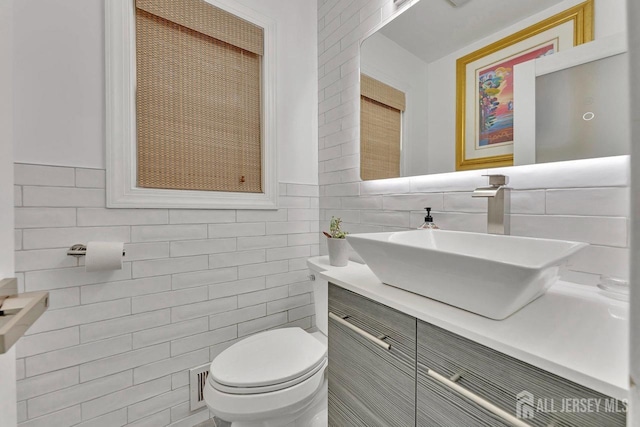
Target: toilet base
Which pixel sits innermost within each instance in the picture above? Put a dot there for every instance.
(315, 415)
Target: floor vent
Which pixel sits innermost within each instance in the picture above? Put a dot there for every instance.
(197, 380)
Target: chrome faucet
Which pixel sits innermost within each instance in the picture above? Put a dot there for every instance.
(499, 202)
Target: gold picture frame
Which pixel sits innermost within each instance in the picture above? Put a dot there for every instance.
(477, 102)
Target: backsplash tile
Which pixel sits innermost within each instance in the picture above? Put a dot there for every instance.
(164, 233)
(203, 340)
(170, 332)
(123, 325)
(77, 394)
(233, 259)
(162, 300)
(412, 202)
(531, 202)
(88, 217)
(589, 201)
(123, 289)
(156, 404)
(50, 176)
(80, 315)
(66, 417)
(201, 216)
(605, 172)
(120, 399)
(123, 362)
(47, 383)
(48, 341)
(605, 231)
(72, 356)
(114, 347)
(160, 267)
(201, 278)
(62, 197)
(44, 238)
(449, 182)
(43, 280)
(17, 195)
(45, 217)
(43, 259)
(90, 178)
(463, 202)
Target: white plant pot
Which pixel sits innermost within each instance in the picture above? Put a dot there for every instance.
(338, 252)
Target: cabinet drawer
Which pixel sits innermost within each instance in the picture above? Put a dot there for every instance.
(370, 385)
(499, 379)
(375, 318)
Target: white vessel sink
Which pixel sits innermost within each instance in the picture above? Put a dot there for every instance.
(490, 275)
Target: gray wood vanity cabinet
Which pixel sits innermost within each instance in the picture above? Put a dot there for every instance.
(422, 378)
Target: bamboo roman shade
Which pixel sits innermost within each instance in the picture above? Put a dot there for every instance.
(199, 107)
(381, 108)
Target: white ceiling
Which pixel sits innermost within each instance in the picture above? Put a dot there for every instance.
(432, 29)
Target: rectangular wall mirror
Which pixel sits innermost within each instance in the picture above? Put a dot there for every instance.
(437, 86)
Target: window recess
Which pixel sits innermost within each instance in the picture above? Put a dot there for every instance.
(198, 110)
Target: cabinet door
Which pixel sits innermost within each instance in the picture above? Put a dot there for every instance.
(370, 385)
(507, 384)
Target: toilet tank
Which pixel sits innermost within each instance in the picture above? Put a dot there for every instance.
(321, 302)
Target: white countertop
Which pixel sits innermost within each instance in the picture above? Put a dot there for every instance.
(572, 331)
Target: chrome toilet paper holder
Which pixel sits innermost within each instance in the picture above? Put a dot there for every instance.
(80, 250)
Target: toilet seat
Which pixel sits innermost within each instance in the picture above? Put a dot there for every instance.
(251, 407)
(268, 362)
(274, 375)
(266, 389)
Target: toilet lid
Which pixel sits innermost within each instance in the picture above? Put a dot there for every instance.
(268, 358)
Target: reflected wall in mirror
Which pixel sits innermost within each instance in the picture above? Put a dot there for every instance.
(416, 54)
(578, 124)
(574, 104)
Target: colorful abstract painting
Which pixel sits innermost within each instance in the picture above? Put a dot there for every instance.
(495, 100)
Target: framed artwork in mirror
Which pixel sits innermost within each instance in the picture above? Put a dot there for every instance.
(484, 80)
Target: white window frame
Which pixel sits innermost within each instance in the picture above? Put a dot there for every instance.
(122, 189)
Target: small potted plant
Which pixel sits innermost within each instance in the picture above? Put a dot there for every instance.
(337, 243)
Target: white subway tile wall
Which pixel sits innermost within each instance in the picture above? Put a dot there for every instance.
(115, 347)
(585, 201)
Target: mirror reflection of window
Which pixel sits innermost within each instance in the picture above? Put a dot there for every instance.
(381, 109)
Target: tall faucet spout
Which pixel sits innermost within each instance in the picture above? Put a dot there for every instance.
(486, 192)
(498, 197)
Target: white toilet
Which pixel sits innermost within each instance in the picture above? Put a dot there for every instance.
(274, 378)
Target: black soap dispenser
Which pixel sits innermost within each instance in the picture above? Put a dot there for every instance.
(428, 222)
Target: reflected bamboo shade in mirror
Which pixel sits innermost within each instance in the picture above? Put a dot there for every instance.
(381, 108)
(199, 72)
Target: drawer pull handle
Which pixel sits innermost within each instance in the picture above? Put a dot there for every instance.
(359, 331)
(516, 422)
(456, 377)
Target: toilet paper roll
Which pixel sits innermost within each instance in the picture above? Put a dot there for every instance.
(103, 256)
